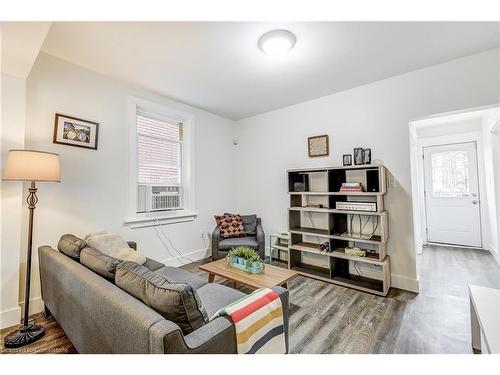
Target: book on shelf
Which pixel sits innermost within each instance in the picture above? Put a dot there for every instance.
(351, 187)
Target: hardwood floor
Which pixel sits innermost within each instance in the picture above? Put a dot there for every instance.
(53, 342)
(326, 318)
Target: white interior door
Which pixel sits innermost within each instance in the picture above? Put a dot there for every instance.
(452, 194)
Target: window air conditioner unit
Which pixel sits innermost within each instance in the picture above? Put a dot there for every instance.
(159, 197)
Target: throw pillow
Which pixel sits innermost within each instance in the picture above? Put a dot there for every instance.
(98, 262)
(230, 226)
(249, 224)
(178, 303)
(115, 246)
(71, 246)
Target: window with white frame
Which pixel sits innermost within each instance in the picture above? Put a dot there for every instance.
(159, 161)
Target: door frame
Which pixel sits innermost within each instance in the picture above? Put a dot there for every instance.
(418, 181)
(479, 197)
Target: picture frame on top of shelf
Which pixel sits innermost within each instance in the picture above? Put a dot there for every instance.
(367, 156)
(347, 160)
(358, 155)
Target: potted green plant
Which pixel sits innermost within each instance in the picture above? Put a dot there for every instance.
(245, 258)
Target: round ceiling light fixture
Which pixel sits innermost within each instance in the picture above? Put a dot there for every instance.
(277, 43)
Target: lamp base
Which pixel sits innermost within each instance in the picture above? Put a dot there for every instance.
(26, 334)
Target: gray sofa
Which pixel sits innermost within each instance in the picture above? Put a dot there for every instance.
(255, 238)
(99, 317)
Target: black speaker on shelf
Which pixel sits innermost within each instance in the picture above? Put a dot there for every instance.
(372, 180)
(299, 182)
(299, 186)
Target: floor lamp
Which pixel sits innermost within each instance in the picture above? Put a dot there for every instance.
(32, 166)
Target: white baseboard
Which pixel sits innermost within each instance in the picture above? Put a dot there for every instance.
(495, 254)
(36, 305)
(405, 283)
(10, 318)
(193, 255)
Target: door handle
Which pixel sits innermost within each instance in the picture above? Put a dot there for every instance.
(475, 202)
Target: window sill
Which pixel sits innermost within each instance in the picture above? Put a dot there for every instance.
(160, 218)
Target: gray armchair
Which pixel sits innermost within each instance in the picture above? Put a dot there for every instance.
(255, 238)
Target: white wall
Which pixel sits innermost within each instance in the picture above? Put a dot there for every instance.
(495, 147)
(374, 115)
(13, 109)
(93, 193)
(492, 163)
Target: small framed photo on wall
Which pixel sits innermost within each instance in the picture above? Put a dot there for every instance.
(318, 146)
(73, 131)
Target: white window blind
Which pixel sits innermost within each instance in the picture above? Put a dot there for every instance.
(159, 149)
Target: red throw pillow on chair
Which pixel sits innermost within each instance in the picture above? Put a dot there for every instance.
(230, 226)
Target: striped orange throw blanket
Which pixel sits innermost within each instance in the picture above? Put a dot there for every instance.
(258, 319)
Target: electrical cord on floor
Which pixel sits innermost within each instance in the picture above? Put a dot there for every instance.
(164, 244)
(171, 244)
(204, 243)
(173, 247)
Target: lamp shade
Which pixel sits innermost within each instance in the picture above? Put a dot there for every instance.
(30, 165)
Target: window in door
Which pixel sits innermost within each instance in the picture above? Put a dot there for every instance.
(450, 174)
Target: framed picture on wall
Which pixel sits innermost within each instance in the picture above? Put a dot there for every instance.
(318, 145)
(73, 131)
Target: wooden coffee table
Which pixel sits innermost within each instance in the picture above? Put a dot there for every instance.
(271, 276)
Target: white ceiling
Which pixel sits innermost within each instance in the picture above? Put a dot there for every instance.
(21, 42)
(218, 66)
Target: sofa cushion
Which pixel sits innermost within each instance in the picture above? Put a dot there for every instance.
(249, 224)
(178, 303)
(216, 296)
(71, 246)
(230, 226)
(176, 275)
(152, 264)
(229, 243)
(100, 263)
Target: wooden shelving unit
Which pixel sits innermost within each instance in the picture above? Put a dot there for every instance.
(278, 242)
(310, 226)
